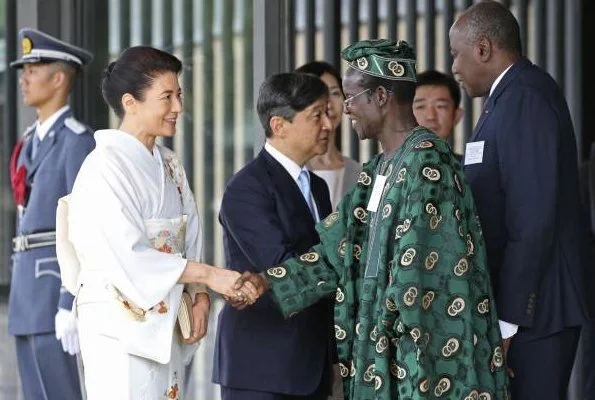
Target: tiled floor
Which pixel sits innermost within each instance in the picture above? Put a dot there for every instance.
(9, 385)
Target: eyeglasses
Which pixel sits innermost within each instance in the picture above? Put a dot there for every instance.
(347, 101)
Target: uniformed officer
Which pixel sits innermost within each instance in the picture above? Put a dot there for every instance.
(44, 165)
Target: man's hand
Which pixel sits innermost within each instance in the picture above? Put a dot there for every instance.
(249, 287)
(506, 345)
(200, 314)
(66, 331)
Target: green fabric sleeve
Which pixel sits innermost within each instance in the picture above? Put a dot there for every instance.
(301, 281)
(440, 296)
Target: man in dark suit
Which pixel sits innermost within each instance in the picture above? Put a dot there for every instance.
(522, 166)
(44, 165)
(268, 214)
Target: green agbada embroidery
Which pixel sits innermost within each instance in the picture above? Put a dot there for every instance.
(425, 326)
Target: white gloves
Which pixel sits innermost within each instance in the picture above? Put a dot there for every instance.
(66, 331)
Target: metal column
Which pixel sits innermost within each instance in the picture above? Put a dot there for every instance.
(270, 46)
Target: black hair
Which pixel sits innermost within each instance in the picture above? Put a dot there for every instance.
(437, 78)
(320, 68)
(69, 69)
(286, 94)
(133, 72)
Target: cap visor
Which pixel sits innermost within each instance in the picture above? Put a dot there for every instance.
(18, 64)
(41, 60)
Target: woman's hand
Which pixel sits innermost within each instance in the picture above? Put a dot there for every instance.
(218, 279)
(200, 314)
(251, 286)
(223, 281)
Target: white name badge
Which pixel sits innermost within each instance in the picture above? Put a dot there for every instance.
(474, 153)
(376, 193)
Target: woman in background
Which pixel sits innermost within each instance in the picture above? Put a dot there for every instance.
(339, 172)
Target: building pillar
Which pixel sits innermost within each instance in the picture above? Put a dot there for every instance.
(271, 49)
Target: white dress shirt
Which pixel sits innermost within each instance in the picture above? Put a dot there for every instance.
(498, 79)
(43, 129)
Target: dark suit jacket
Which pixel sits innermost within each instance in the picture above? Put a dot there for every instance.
(527, 195)
(591, 187)
(266, 220)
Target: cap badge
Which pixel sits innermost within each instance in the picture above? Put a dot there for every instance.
(396, 68)
(27, 45)
(362, 63)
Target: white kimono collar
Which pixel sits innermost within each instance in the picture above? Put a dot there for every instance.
(124, 141)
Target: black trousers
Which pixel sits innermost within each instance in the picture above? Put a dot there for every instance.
(542, 365)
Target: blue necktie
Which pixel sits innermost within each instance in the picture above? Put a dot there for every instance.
(35, 145)
(304, 184)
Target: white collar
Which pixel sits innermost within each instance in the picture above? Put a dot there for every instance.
(43, 128)
(498, 79)
(124, 140)
(290, 166)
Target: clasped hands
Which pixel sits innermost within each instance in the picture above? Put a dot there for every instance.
(239, 290)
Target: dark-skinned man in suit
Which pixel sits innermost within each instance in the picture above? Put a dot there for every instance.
(521, 163)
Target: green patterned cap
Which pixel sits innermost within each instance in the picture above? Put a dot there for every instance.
(384, 58)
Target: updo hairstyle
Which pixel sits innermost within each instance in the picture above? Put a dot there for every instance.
(133, 72)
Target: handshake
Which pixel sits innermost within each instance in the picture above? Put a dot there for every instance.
(239, 290)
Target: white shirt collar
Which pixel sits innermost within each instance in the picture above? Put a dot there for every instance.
(43, 128)
(290, 166)
(498, 79)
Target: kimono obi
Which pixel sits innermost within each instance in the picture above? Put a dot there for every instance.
(146, 333)
(167, 235)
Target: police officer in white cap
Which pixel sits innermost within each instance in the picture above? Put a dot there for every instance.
(43, 167)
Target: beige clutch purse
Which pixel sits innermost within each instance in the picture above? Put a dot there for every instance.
(185, 321)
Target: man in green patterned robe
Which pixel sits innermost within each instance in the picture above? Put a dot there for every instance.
(414, 316)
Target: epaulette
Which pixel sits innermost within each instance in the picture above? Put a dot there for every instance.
(75, 126)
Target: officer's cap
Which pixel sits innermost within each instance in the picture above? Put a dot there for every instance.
(39, 47)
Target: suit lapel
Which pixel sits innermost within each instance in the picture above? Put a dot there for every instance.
(319, 197)
(45, 145)
(491, 102)
(25, 156)
(485, 112)
(286, 185)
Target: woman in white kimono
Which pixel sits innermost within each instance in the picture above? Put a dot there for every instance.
(134, 226)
